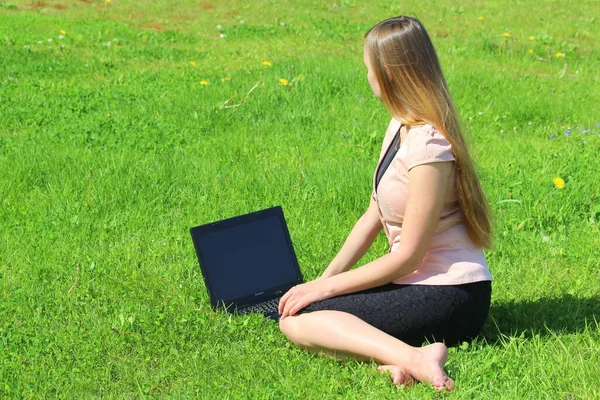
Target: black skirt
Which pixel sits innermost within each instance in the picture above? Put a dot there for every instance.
(418, 313)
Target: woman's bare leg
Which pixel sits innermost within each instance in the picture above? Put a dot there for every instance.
(397, 375)
(336, 332)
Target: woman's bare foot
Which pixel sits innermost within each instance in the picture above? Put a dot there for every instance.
(430, 368)
(397, 375)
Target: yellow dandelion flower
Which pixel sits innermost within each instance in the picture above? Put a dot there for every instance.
(480, 18)
(284, 82)
(108, 1)
(192, 63)
(559, 54)
(108, 115)
(530, 51)
(531, 37)
(227, 78)
(266, 63)
(559, 183)
(204, 83)
(62, 32)
(506, 34)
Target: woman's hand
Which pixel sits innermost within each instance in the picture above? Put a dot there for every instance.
(302, 295)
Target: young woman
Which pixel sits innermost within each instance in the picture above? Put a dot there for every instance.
(434, 283)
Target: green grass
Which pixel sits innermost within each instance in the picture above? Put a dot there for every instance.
(110, 149)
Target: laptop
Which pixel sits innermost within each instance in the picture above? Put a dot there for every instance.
(247, 262)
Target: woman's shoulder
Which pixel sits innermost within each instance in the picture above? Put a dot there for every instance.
(426, 144)
(424, 131)
(421, 136)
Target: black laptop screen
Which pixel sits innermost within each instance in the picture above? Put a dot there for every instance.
(246, 259)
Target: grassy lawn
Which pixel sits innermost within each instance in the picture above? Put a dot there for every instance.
(124, 123)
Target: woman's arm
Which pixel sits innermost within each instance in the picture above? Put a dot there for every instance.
(358, 242)
(426, 193)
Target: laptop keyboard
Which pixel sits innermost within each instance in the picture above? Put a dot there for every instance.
(269, 306)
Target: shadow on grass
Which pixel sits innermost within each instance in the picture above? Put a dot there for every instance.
(545, 316)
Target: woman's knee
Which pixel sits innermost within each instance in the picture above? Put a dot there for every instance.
(292, 328)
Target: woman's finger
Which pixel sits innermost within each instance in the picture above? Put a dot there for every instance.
(282, 305)
(289, 305)
(297, 307)
(286, 309)
(283, 300)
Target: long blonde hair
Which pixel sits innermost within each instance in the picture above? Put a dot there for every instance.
(414, 91)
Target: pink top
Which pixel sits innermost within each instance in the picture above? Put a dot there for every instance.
(451, 258)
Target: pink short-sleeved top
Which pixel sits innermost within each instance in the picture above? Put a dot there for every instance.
(451, 258)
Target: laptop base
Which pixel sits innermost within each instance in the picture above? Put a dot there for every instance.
(268, 308)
